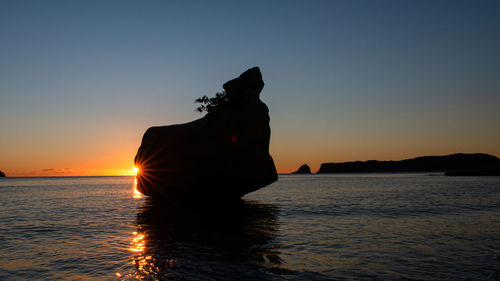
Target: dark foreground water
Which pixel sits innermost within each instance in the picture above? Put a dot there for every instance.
(318, 227)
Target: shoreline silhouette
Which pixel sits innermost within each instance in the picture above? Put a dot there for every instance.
(459, 164)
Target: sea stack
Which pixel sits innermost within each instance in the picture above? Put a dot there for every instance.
(221, 156)
(2, 175)
(304, 169)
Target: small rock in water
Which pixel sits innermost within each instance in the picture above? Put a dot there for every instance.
(304, 169)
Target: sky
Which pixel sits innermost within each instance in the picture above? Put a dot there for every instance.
(81, 81)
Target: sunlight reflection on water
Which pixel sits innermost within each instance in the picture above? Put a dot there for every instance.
(136, 193)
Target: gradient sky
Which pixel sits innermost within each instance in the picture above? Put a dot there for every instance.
(80, 81)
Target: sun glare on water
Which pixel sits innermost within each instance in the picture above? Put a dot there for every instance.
(135, 193)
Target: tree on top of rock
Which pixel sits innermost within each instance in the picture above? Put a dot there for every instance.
(210, 104)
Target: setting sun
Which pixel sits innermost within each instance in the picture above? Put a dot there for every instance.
(133, 172)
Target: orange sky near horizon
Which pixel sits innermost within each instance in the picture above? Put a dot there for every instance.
(114, 155)
(91, 147)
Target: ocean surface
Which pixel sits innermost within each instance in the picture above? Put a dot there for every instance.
(314, 227)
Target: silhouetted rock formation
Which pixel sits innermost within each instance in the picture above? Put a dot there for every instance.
(454, 164)
(2, 175)
(223, 155)
(304, 169)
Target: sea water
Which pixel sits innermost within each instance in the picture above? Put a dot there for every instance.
(310, 227)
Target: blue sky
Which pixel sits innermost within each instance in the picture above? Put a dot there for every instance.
(80, 81)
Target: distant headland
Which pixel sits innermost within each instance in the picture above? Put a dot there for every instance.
(2, 175)
(460, 164)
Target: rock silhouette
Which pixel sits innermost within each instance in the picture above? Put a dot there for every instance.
(2, 175)
(453, 164)
(304, 169)
(222, 156)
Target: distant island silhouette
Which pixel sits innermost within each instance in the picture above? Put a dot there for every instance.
(222, 156)
(459, 164)
(2, 175)
(304, 169)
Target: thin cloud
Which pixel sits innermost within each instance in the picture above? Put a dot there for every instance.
(57, 170)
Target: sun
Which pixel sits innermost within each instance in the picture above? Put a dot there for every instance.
(134, 171)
